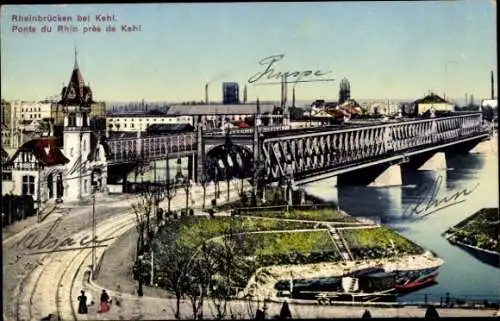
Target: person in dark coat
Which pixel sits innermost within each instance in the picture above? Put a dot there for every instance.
(104, 302)
(431, 313)
(82, 305)
(366, 315)
(285, 311)
(260, 315)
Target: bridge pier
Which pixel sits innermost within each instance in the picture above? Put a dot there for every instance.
(435, 162)
(384, 175)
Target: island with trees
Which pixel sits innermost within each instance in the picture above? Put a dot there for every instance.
(478, 235)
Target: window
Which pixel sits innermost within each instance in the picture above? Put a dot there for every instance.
(6, 176)
(71, 120)
(28, 185)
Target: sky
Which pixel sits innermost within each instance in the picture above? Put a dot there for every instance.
(387, 50)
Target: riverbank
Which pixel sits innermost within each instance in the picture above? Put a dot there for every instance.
(478, 235)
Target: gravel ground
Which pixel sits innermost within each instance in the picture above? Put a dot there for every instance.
(116, 268)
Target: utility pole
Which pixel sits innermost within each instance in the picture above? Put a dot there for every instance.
(152, 266)
(93, 233)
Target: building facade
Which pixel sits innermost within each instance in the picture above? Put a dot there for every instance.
(230, 93)
(139, 122)
(344, 91)
(433, 102)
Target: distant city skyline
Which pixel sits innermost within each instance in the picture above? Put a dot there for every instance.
(397, 50)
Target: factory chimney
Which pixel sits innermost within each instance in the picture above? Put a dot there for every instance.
(492, 86)
(293, 97)
(245, 95)
(206, 93)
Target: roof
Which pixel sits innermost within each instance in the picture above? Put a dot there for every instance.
(211, 109)
(45, 150)
(240, 124)
(431, 98)
(122, 134)
(169, 127)
(76, 93)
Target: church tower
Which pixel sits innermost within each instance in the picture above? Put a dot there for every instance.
(76, 99)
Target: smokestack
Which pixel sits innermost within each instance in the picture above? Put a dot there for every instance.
(293, 97)
(492, 86)
(283, 90)
(206, 93)
(466, 101)
(245, 94)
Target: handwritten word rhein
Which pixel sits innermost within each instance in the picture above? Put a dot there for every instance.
(429, 203)
(49, 243)
(269, 72)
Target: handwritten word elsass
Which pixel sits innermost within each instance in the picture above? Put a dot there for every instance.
(49, 243)
(269, 72)
(429, 203)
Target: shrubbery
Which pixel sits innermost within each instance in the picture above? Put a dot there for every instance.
(16, 208)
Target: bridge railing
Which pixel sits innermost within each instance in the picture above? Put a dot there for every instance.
(343, 147)
(240, 131)
(131, 149)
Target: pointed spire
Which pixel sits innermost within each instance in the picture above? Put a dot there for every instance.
(76, 59)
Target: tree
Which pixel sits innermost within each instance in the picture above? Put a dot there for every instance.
(169, 193)
(148, 201)
(204, 179)
(223, 262)
(172, 259)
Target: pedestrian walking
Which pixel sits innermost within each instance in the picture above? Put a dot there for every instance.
(82, 305)
(366, 315)
(285, 311)
(104, 307)
(431, 312)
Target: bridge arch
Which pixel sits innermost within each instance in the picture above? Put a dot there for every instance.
(235, 161)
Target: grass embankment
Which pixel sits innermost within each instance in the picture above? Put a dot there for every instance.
(479, 230)
(325, 215)
(268, 238)
(376, 243)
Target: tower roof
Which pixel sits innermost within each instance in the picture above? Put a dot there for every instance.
(76, 93)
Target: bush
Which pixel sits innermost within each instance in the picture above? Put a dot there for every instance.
(175, 215)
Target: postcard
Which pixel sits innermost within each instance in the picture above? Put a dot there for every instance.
(250, 160)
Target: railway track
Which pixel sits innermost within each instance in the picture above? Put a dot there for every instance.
(51, 286)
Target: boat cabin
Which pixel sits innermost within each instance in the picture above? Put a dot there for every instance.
(376, 282)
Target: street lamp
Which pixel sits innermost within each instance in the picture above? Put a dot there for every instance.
(95, 188)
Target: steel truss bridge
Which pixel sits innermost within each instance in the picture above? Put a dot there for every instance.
(306, 154)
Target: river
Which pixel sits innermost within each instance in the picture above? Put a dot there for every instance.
(461, 275)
